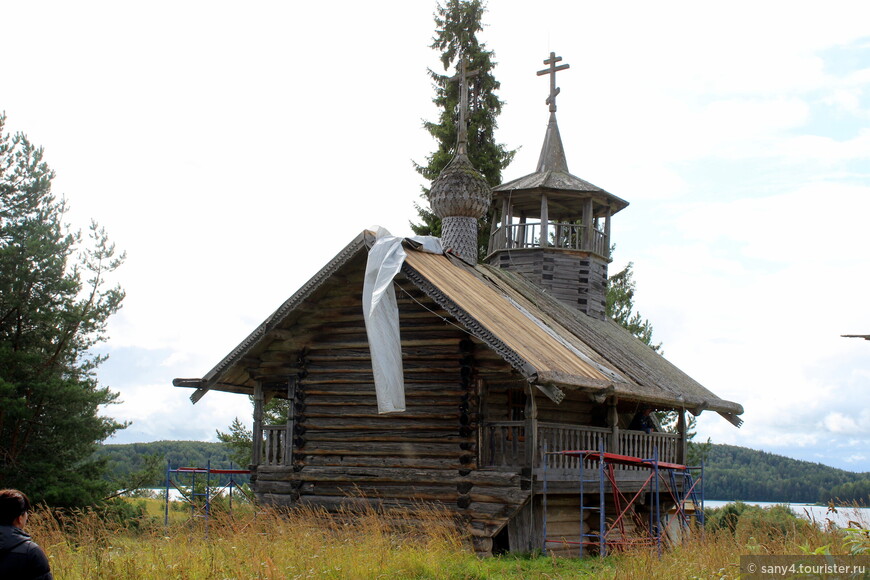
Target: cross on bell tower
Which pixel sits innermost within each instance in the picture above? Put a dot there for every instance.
(554, 90)
(553, 227)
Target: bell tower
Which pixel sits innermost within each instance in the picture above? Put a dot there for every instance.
(553, 227)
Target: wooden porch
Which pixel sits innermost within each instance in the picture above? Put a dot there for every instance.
(506, 446)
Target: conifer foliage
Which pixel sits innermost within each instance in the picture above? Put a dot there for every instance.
(54, 306)
(458, 23)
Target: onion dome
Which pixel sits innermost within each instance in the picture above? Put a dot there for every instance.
(460, 195)
(460, 190)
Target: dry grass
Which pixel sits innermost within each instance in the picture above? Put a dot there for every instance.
(303, 543)
(717, 554)
(423, 543)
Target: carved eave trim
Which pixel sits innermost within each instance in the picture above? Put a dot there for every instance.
(471, 324)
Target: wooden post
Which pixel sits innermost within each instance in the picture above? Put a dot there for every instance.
(587, 224)
(492, 232)
(607, 233)
(531, 412)
(257, 451)
(683, 451)
(613, 423)
(506, 219)
(483, 455)
(291, 416)
(521, 237)
(545, 222)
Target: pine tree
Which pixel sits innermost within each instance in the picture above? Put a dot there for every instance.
(54, 306)
(457, 24)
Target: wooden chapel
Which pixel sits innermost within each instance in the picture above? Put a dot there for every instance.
(499, 361)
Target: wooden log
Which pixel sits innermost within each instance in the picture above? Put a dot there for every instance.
(452, 477)
(405, 436)
(386, 461)
(379, 422)
(413, 389)
(422, 400)
(369, 408)
(374, 423)
(350, 451)
(409, 415)
(444, 492)
(363, 447)
(272, 486)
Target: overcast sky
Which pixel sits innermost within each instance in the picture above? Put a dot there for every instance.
(233, 148)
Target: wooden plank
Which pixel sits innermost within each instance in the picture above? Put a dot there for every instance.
(450, 476)
(376, 422)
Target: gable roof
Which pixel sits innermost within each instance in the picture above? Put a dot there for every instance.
(545, 342)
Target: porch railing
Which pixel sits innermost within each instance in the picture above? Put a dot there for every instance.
(556, 437)
(504, 444)
(274, 445)
(640, 444)
(567, 236)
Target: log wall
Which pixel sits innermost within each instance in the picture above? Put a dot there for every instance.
(577, 279)
(345, 452)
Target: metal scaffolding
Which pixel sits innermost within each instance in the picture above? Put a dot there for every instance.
(681, 485)
(206, 491)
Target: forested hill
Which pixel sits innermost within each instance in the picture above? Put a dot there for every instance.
(739, 473)
(731, 472)
(127, 458)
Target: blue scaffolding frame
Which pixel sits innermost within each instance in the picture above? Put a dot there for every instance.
(204, 509)
(613, 535)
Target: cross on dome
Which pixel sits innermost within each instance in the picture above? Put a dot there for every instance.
(554, 90)
(462, 76)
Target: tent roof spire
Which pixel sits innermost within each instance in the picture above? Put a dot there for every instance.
(552, 153)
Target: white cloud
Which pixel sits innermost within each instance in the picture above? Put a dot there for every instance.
(840, 423)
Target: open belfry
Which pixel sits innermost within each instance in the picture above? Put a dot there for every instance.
(498, 390)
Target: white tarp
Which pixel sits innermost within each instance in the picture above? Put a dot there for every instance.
(381, 314)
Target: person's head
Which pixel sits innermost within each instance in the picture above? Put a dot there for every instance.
(14, 507)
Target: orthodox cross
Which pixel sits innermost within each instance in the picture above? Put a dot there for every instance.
(554, 90)
(462, 76)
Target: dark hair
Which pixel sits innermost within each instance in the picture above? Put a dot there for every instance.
(13, 504)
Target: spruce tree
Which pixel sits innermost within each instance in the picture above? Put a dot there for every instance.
(54, 306)
(457, 24)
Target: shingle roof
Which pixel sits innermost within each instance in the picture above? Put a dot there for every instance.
(542, 339)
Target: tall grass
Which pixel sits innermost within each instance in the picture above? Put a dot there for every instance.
(421, 543)
(302, 543)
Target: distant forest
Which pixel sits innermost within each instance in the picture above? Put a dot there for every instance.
(124, 459)
(739, 473)
(731, 472)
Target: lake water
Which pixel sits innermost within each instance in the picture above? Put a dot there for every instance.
(817, 513)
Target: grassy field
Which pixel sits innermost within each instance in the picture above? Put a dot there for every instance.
(419, 544)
